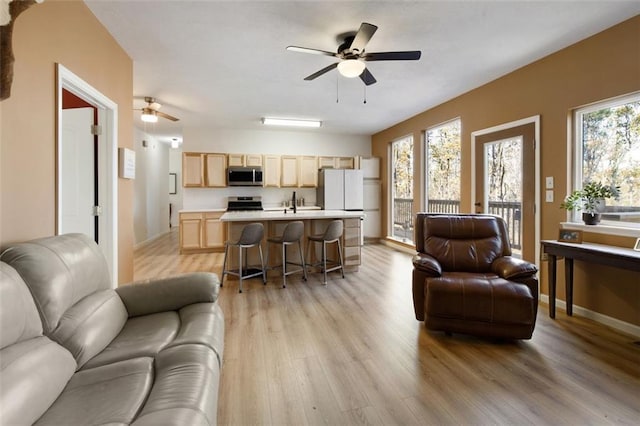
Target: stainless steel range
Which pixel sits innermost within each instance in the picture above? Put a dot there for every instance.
(244, 203)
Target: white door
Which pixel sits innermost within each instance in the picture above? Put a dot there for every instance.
(77, 173)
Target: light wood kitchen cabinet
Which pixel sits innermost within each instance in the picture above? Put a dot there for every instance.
(336, 163)
(213, 231)
(289, 171)
(235, 160)
(308, 171)
(201, 232)
(190, 231)
(345, 163)
(204, 170)
(216, 176)
(271, 171)
(245, 160)
(253, 160)
(192, 169)
(326, 162)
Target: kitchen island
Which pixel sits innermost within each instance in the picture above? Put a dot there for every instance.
(315, 222)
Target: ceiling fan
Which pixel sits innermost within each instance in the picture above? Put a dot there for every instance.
(150, 113)
(353, 56)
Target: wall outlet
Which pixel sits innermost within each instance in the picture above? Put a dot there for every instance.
(548, 196)
(549, 182)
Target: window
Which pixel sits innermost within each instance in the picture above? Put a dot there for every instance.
(607, 150)
(402, 189)
(443, 168)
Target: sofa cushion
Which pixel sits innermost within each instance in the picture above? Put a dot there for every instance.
(141, 336)
(69, 281)
(34, 369)
(186, 388)
(19, 318)
(202, 323)
(479, 297)
(110, 394)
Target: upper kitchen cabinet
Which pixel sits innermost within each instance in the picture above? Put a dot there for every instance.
(204, 170)
(271, 171)
(192, 169)
(308, 171)
(245, 160)
(336, 163)
(216, 176)
(289, 171)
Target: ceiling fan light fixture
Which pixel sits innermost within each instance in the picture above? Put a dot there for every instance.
(267, 121)
(351, 68)
(149, 115)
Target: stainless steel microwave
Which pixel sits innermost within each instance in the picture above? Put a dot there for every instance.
(244, 176)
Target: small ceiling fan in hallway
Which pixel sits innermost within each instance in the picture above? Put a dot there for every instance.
(150, 113)
(352, 56)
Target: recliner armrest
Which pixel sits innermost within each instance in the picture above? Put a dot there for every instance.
(427, 264)
(511, 268)
(169, 294)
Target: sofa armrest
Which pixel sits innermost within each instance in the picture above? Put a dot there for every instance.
(169, 294)
(511, 268)
(427, 264)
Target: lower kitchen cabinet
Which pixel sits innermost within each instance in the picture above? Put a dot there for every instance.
(201, 232)
(351, 243)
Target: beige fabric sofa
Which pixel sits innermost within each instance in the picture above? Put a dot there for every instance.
(75, 351)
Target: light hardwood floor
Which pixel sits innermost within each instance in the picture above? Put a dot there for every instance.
(352, 352)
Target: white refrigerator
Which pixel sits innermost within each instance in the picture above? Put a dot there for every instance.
(340, 189)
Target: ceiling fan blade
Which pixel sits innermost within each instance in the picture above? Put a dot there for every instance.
(363, 36)
(167, 116)
(308, 50)
(322, 71)
(411, 55)
(367, 77)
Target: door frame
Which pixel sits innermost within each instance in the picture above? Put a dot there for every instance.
(536, 121)
(108, 163)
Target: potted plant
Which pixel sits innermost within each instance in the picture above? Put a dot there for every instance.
(590, 199)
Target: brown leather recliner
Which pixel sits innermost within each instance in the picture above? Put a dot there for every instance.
(466, 281)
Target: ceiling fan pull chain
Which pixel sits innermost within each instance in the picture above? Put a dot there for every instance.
(337, 90)
(365, 94)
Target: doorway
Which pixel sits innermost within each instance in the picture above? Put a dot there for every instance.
(505, 181)
(74, 164)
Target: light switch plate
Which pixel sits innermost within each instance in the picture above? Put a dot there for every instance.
(549, 196)
(549, 182)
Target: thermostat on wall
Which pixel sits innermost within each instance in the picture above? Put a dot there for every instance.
(126, 163)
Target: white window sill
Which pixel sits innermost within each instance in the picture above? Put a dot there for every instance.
(603, 229)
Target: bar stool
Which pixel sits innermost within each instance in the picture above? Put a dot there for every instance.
(331, 235)
(292, 234)
(251, 236)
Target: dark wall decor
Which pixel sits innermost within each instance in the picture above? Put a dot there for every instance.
(16, 7)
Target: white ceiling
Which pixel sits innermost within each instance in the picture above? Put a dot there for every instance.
(224, 64)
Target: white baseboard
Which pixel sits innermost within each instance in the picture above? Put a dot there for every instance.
(614, 323)
(398, 246)
(150, 240)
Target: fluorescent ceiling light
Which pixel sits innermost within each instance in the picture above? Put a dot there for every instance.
(351, 68)
(290, 122)
(149, 115)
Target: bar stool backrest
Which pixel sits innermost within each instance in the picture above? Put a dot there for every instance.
(334, 231)
(251, 234)
(293, 231)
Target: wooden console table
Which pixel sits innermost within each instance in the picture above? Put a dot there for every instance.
(618, 257)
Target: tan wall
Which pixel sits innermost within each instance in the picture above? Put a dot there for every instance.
(603, 66)
(64, 32)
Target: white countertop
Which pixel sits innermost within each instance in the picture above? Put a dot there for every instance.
(245, 216)
(266, 209)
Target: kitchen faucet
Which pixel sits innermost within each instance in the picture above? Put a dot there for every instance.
(293, 201)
